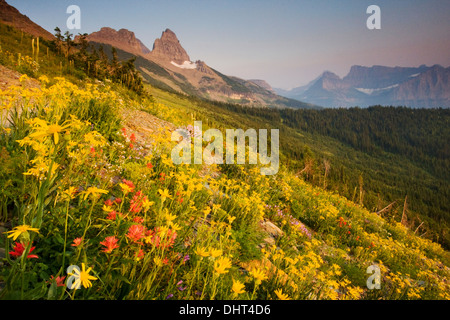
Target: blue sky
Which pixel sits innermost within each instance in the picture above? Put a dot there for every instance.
(286, 43)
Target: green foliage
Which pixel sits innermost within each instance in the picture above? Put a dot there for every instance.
(404, 152)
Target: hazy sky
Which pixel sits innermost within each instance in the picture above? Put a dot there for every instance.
(286, 43)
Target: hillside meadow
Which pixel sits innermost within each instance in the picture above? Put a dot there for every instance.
(78, 190)
(89, 210)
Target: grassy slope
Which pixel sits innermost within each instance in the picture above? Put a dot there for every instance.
(389, 175)
(326, 245)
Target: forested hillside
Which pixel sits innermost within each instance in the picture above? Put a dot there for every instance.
(376, 156)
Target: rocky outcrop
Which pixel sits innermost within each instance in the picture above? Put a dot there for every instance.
(379, 76)
(202, 67)
(168, 47)
(431, 88)
(272, 231)
(122, 39)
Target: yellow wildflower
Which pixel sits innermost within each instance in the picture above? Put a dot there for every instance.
(175, 226)
(258, 274)
(23, 78)
(107, 208)
(94, 139)
(158, 261)
(164, 194)
(202, 252)
(222, 264)
(206, 211)
(146, 204)
(169, 217)
(17, 231)
(81, 277)
(7, 130)
(237, 288)
(231, 219)
(42, 130)
(281, 295)
(43, 79)
(126, 188)
(69, 193)
(215, 252)
(94, 191)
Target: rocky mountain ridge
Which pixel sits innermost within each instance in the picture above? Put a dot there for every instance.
(121, 39)
(421, 87)
(11, 16)
(169, 66)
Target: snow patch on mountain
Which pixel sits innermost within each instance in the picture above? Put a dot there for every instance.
(376, 90)
(185, 65)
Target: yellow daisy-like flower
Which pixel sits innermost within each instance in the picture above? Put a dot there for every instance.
(169, 217)
(94, 191)
(222, 264)
(202, 252)
(42, 130)
(126, 188)
(281, 295)
(237, 288)
(146, 204)
(158, 261)
(7, 130)
(175, 226)
(79, 277)
(259, 275)
(70, 193)
(215, 252)
(164, 194)
(17, 231)
(231, 219)
(54, 130)
(43, 79)
(206, 211)
(23, 78)
(107, 208)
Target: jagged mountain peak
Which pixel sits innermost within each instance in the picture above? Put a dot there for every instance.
(168, 47)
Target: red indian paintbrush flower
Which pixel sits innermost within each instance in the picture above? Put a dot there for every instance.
(137, 201)
(59, 280)
(108, 203)
(112, 215)
(19, 249)
(136, 232)
(76, 242)
(110, 244)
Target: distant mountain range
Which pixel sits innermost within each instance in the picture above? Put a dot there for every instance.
(168, 66)
(421, 87)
